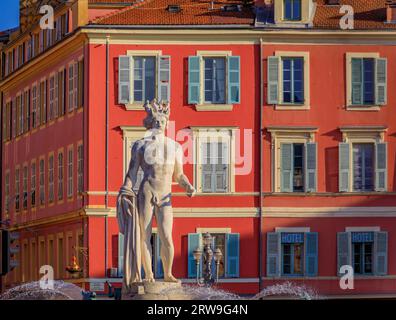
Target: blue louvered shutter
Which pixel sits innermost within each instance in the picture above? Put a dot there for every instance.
(357, 81)
(164, 78)
(194, 77)
(124, 79)
(273, 80)
(344, 254)
(232, 252)
(286, 167)
(194, 242)
(120, 254)
(381, 166)
(234, 80)
(221, 168)
(311, 254)
(159, 267)
(381, 81)
(381, 253)
(273, 254)
(311, 167)
(343, 166)
(207, 167)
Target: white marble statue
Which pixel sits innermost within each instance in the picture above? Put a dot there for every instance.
(160, 158)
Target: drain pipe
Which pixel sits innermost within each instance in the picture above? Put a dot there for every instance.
(261, 170)
(107, 154)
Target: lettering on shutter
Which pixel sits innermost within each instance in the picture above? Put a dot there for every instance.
(164, 78)
(273, 254)
(381, 167)
(344, 166)
(273, 80)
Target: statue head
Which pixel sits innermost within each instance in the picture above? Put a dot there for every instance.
(157, 115)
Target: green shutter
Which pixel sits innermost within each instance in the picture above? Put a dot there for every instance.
(120, 254)
(232, 255)
(286, 167)
(381, 81)
(357, 81)
(381, 253)
(164, 78)
(233, 79)
(311, 254)
(311, 167)
(344, 166)
(381, 167)
(194, 77)
(194, 242)
(344, 251)
(124, 79)
(273, 254)
(273, 80)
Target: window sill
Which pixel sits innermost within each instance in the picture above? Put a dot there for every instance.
(292, 107)
(363, 108)
(134, 107)
(214, 107)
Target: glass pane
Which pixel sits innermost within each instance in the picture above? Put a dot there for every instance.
(368, 76)
(219, 242)
(298, 258)
(149, 78)
(357, 256)
(363, 167)
(214, 80)
(298, 164)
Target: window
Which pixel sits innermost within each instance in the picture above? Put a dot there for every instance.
(61, 261)
(293, 80)
(70, 173)
(363, 166)
(81, 83)
(17, 189)
(214, 159)
(26, 111)
(294, 159)
(42, 182)
(214, 80)
(71, 86)
(7, 194)
(61, 94)
(75, 85)
(363, 160)
(19, 101)
(288, 80)
(35, 114)
(7, 122)
(220, 74)
(43, 102)
(366, 251)
(292, 253)
(292, 10)
(228, 243)
(60, 176)
(366, 80)
(80, 169)
(143, 77)
(25, 188)
(51, 98)
(51, 179)
(33, 185)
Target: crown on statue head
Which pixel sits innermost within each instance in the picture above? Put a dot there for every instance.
(154, 108)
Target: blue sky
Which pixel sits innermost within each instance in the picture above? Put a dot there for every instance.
(9, 14)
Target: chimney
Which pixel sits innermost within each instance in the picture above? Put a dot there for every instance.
(390, 11)
(80, 13)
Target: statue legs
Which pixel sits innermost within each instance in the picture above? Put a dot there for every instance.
(145, 218)
(164, 217)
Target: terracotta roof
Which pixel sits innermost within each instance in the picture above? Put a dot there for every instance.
(193, 12)
(368, 14)
(110, 1)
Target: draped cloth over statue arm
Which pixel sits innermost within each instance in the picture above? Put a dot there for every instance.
(128, 222)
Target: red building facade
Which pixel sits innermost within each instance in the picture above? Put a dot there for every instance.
(297, 111)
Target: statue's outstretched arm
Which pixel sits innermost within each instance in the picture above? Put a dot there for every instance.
(178, 174)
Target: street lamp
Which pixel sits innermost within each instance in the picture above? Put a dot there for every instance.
(207, 254)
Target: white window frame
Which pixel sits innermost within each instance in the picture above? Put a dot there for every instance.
(213, 134)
